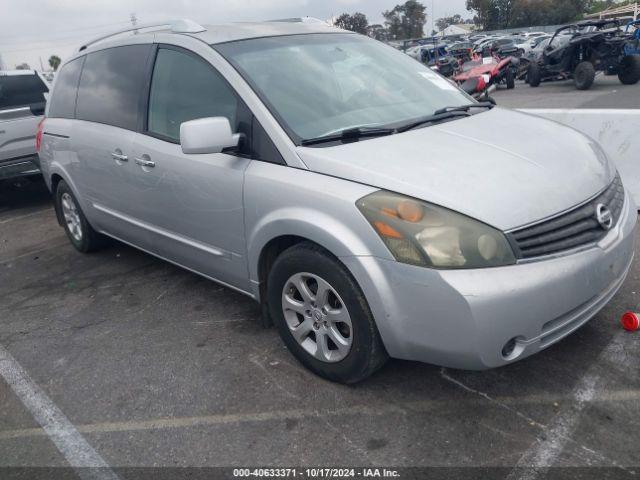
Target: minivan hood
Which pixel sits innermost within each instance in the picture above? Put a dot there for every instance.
(502, 167)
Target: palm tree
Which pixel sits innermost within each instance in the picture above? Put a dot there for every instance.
(54, 62)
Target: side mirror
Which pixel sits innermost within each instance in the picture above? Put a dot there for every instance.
(207, 135)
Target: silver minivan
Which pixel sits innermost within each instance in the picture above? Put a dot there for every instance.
(370, 206)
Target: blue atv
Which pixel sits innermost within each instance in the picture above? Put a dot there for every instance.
(633, 46)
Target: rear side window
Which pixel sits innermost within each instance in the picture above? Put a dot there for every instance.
(185, 88)
(21, 91)
(111, 84)
(63, 99)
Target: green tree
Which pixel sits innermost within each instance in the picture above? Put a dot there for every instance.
(54, 62)
(498, 14)
(406, 20)
(378, 32)
(445, 22)
(356, 23)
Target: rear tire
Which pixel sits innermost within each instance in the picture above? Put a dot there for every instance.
(81, 234)
(534, 75)
(584, 75)
(297, 310)
(629, 73)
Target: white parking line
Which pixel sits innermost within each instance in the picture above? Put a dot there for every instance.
(544, 453)
(81, 456)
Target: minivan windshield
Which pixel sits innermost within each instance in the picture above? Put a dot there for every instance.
(319, 84)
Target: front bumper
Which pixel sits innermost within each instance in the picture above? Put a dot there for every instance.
(19, 167)
(464, 318)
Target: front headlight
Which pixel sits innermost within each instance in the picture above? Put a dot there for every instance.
(427, 235)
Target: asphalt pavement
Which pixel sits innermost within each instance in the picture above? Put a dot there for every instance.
(606, 92)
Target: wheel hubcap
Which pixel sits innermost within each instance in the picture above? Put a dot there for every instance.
(71, 216)
(317, 317)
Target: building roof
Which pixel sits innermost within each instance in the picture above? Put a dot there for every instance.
(461, 29)
(615, 11)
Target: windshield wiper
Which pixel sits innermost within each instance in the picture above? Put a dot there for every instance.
(353, 134)
(444, 114)
(350, 134)
(464, 108)
(436, 118)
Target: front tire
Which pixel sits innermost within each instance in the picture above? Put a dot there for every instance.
(322, 315)
(584, 75)
(629, 73)
(511, 79)
(534, 75)
(82, 236)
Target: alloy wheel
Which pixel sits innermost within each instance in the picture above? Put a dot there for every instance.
(71, 216)
(317, 317)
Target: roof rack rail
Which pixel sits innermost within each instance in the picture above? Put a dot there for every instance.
(177, 26)
(298, 20)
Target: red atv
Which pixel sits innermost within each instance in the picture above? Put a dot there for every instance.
(499, 71)
(479, 88)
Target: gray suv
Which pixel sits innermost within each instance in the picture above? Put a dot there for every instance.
(22, 105)
(370, 206)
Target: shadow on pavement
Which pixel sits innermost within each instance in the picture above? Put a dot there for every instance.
(23, 193)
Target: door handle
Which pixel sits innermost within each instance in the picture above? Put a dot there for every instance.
(120, 157)
(145, 163)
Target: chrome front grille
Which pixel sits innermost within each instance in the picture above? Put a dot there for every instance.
(576, 228)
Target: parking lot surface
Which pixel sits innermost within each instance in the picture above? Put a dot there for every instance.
(606, 92)
(153, 366)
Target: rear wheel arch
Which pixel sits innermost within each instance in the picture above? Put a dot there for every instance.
(55, 180)
(76, 225)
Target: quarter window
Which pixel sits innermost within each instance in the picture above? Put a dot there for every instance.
(185, 88)
(63, 99)
(111, 84)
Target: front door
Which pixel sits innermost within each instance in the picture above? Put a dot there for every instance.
(191, 206)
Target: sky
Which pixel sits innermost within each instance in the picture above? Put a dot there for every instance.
(31, 30)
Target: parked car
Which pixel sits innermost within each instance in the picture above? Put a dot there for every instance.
(436, 57)
(462, 51)
(368, 206)
(592, 46)
(22, 104)
(485, 48)
(440, 60)
(530, 44)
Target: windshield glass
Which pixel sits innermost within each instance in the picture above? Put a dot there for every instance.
(320, 84)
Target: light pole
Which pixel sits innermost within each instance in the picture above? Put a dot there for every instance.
(433, 16)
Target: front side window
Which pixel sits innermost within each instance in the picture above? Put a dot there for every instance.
(21, 91)
(111, 85)
(321, 83)
(185, 88)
